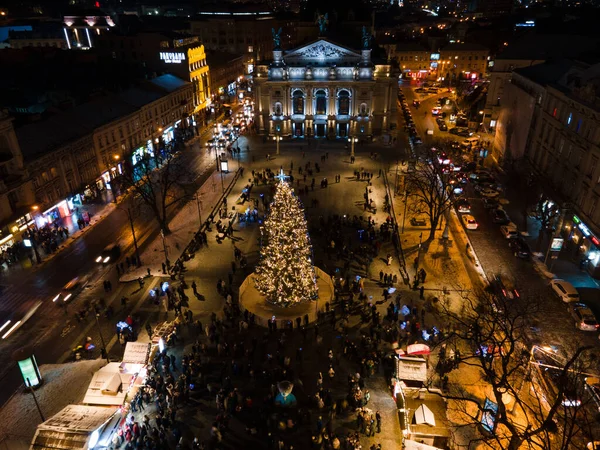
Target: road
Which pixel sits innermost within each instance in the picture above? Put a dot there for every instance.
(554, 324)
(52, 330)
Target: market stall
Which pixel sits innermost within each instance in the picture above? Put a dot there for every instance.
(76, 427)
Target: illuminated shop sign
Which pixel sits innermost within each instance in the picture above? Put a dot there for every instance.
(172, 57)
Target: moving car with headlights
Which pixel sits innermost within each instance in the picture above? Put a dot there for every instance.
(548, 380)
(470, 222)
(584, 317)
(564, 290)
(110, 254)
(69, 291)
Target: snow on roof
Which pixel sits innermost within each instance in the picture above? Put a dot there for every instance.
(169, 82)
(78, 419)
(411, 368)
(71, 428)
(137, 353)
(19, 414)
(108, 386)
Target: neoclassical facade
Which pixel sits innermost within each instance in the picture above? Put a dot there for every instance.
(325, 90)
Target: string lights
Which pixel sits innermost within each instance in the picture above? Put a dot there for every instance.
(285, 274)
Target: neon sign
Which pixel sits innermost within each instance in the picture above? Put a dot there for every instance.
(172, 57)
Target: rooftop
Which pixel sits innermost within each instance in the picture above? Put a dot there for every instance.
(546, 73)
(411, 47)
(38, 138)
(169, 82)
(464, 47)
(545, 46)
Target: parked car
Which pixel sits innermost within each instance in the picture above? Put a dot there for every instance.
(584, 317)
(520, 248)
(489, 203)
(564, 290)
(470, 222)
(509, 231)
(499, 216)
(463, 206)
(489, 193)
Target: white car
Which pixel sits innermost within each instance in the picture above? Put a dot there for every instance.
(564, 290)
(584, 317)
(489, 193)
(470, 222)
(509, 231)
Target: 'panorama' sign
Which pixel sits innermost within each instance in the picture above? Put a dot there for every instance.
(172, 57)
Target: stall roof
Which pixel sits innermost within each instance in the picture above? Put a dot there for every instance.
(411, 368)
(70, 428)
(136, 353)
(106, 387)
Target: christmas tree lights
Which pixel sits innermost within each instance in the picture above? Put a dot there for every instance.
(285, 274)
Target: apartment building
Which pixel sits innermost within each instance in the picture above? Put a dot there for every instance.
(564, 151)
(463, 61)
(74, 157)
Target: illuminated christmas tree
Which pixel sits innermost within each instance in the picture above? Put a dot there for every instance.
(285, 274)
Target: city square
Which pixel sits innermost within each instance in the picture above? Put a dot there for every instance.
(296, 225)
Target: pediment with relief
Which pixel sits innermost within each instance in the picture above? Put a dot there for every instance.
(321, 51)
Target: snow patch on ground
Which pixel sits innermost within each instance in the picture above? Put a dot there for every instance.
(64, 384)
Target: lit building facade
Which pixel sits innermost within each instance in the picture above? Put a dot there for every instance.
(184, 56)
(75, 156)
(16, 193)
(563, 150)
(325, 90)
(81, 32)
(462, 61)
(414, 60)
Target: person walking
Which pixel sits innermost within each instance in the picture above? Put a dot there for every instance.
(378, 419)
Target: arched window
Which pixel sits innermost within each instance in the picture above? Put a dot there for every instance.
(277, 110)
(321, 107)
(298, 102)
(344, 103)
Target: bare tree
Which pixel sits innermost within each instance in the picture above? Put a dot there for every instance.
(531, 407)
(546, 212)
(430, 191)
(158, 181)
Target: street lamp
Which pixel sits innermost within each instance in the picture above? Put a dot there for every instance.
(135, 244)
(405, 203)
(353, 140)
(199, 205)
(104, 352)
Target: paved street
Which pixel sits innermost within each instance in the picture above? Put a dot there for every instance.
(555, 324)
(52, 331)
(55, 333)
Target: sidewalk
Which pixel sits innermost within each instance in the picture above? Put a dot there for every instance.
(186, 223)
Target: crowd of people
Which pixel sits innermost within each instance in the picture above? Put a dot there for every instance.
(229, 371)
